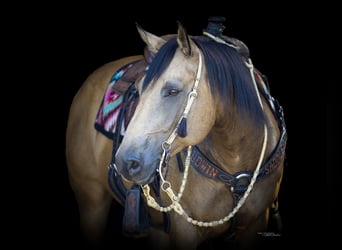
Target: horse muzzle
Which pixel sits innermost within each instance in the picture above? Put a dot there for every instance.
(135, 169)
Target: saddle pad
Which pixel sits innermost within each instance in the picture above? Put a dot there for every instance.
(111, 104)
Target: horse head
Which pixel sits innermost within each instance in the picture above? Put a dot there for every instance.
(174, 109)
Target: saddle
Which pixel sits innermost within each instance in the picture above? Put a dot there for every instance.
(132, 75)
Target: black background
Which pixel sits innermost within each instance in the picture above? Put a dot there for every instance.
(61, 45)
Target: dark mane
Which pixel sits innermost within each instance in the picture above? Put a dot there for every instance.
(160, 61)
(227, 74)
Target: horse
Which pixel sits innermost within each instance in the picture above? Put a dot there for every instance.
(195, 150)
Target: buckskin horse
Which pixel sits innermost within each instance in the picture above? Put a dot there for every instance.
(186, 137)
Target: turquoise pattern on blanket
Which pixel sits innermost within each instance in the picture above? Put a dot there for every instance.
(109, 109)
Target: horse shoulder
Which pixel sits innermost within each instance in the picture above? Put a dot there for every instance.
(86, 148)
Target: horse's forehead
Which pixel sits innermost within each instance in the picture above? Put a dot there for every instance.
(189, 61)
(182, 67)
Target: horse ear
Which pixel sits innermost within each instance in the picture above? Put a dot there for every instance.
(184, 40)
(153, 42)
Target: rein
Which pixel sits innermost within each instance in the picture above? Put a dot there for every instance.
(166, 145)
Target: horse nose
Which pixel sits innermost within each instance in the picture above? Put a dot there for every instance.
(128, 164)
(136, 166)
(133, 166)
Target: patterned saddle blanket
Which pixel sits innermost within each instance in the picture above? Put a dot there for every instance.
(119, 94)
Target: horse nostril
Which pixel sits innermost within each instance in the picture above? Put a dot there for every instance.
(133, 167)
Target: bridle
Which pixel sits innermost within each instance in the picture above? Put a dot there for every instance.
(166, 147)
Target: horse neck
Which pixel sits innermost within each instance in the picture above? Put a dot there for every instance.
(237, 147)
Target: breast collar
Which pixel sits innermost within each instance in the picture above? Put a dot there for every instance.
(238, 182)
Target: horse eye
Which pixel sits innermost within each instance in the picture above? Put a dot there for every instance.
(171, 88)
(173, 92)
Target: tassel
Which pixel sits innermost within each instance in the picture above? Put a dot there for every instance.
(181, 131)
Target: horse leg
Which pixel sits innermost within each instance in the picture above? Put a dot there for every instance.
(158, 239)
(275, 224)
(183, 234)
(247, 237)
(94, 204)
